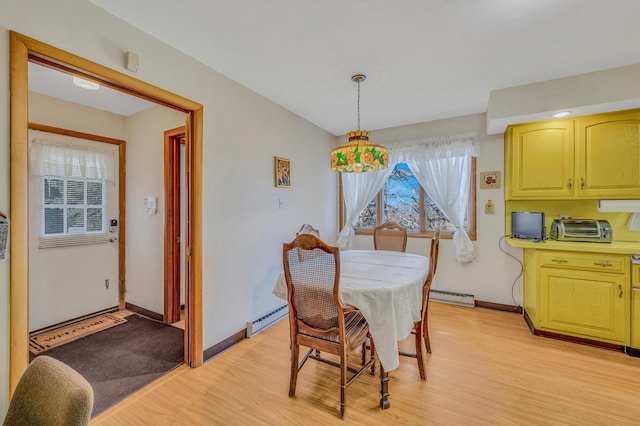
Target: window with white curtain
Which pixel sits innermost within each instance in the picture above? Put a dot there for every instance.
(72, 182)
(406, 202)
(427, 181)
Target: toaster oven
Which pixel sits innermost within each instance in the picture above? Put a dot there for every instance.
(588, 230)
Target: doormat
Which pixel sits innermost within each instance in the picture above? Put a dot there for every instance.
(60, 336)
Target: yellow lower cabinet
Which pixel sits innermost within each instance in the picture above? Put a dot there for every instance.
(584, 304)
(635, 324)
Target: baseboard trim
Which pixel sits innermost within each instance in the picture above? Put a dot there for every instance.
(142, 311)
(529, 323)
(635, 352)
(572, 339)
(73, 320)
(214, 350)
(499, 307)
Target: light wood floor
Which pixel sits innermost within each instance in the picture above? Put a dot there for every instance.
(485, 369)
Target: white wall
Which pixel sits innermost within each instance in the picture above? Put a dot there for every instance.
(491, 277)
(243, 228)
(145, 232)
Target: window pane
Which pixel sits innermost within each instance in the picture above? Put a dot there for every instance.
(53, 191)
(94, 193)
(75, 192)
(53, 221)
(401, 198)
(368, 216)
(435, 217)
(75, 220)
(94, 219)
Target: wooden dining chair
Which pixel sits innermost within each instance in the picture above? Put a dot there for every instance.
(390, 236)
(308, 229)
(317, 317)
(421, 328)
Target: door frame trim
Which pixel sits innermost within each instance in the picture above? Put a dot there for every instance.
(172, 249)
(22, 50)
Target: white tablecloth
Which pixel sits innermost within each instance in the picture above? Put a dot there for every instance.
(387, 288)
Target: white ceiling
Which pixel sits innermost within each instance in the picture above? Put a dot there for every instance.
(60, 85)
(424, 59)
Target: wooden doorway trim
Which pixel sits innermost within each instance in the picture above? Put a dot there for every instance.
(173, 139)
(22, 50)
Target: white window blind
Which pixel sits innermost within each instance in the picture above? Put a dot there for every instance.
(72, 180)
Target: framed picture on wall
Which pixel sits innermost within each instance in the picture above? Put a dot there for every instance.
(282, 172)
(490, 180)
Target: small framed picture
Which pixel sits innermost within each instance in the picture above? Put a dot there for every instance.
(282, 172)
(490, 180)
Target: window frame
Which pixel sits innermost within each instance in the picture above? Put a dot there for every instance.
(423, 233)
(65, 206)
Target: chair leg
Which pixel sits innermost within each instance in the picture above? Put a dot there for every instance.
(343, 384)
(425, 333)
(419, 354)
(295, 349)
(372, 353)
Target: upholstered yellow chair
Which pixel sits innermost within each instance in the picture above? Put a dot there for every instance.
(317, 317)
(421, 328)
(390, 236)
(50, 393)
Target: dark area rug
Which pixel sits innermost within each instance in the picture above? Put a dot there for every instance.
(119, 361)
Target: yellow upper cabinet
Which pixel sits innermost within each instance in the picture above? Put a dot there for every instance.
(591, 157)
(609, 155)
(540, 160)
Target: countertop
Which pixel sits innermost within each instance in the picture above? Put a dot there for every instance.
(620, 247)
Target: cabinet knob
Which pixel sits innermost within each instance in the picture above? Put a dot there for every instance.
(605, 264)
(570, 184)
(581, 183)
(559, 260)
(620, 291)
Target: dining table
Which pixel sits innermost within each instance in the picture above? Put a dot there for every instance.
(386, 286)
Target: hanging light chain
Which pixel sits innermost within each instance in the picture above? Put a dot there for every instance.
(358, 78)
(358, 104)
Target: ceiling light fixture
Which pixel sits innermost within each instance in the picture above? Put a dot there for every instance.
(359, 155)
(560, 114)
(85, 84)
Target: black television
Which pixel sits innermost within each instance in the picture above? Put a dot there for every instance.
(528, 226)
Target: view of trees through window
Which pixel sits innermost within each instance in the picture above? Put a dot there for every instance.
(401, 197)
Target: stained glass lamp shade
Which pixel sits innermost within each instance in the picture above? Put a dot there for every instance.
(359, 155)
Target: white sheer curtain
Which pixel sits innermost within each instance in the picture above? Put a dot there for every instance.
(50, 157)
(359, 189)
(443, 168)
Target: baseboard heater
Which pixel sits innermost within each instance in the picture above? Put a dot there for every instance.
(461, 299)
(267, 319)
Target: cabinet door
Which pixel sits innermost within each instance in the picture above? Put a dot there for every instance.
(635, 317)
(585, 304)
(540, 160)
(608, 150)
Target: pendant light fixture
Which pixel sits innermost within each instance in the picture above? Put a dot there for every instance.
(359, 155)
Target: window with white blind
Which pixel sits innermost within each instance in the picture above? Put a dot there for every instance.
(73, 193)
(72, 206)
